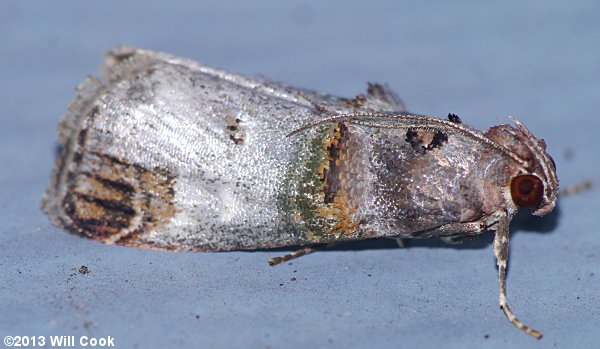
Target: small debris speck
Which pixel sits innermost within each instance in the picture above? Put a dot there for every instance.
(280, 284)
(569, 154)
(84, 270)
(293, 279)
(486, 336)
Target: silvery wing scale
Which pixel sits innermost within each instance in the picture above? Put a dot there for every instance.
(165, 153)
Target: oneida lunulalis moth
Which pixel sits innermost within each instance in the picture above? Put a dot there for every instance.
(166, 153)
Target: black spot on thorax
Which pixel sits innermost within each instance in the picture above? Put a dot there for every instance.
(415, 139)
(439, 138)
(454, 118)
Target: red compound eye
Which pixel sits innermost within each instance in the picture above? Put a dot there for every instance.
(526, 190)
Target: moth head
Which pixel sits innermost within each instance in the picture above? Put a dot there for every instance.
(534, 184)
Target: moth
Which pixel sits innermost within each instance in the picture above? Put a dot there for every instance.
(165, 153)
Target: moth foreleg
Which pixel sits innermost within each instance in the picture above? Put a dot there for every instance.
(301, 252)
(501, 253)
(463, 228)
(457, 233)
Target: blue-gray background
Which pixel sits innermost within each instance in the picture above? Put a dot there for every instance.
(538, 61)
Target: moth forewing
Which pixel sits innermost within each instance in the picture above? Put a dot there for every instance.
(166, 153)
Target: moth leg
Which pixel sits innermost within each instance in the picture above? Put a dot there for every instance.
(457, 233)
(501, 253)
(456, 239)
(301, 252)
(399, 242)
(466, 228)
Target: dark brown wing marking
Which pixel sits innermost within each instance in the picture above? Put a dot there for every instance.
(114, 201)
